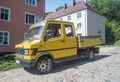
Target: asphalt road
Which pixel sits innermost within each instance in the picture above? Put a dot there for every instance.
(104, 68)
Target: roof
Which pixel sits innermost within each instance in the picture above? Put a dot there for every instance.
(69, 10)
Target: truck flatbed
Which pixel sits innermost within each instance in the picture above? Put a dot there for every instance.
(89, 41)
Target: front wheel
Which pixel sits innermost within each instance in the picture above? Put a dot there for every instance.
(91, 55)
(44, 65)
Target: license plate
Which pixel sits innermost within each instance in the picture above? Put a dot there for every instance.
(17, 61)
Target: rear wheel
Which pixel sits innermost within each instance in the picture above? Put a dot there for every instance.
(91, 55)
(44, 65)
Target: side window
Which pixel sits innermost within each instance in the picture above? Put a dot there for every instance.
(54, 30)
(68, 30)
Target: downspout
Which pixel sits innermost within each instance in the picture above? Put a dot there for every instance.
(86, 22)
(86, 17)
(43, 8)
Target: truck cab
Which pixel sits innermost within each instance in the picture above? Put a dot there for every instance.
(49, 42)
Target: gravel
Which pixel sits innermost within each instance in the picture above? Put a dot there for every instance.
(104, 68)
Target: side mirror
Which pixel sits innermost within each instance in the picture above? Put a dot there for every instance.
(48, 35)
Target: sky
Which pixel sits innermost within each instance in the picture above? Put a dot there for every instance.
(51, 5)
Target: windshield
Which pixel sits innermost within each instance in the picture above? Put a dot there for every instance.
(35, 32)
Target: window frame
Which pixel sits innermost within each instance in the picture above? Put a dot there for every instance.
(80, 25)
(28, 18)
(51, 24)
(8, 37)
(79, 15)
(9, 13)
(28, 3)
(61, 19)
(72, 31)
(69, 17)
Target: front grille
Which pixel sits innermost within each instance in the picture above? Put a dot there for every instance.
(20, 51)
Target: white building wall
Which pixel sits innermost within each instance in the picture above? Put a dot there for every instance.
(95, 24)
(76, 20)
(91, 23)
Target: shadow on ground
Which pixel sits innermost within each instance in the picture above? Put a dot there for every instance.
(70, 64)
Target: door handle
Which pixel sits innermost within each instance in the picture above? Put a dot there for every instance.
(62, 40)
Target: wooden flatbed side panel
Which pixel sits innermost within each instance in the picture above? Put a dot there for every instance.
(88, 42)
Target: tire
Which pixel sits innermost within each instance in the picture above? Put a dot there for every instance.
(90, 55)
(44, 65)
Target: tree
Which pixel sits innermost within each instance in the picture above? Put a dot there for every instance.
(108, 8)
(60, 7)
(49, 12)
(111, 10)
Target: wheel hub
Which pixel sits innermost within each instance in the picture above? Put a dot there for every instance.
(43, 66)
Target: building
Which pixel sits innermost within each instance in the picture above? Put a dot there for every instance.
(16, 16)
(86, 20)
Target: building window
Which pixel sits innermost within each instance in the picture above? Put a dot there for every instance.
(79, 26)
(4, 38)
(61, 18)
(69, 17)
(79, 15)
(4, 14)
(30, 18)
(31, 2)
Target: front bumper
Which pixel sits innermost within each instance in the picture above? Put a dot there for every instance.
(25, 63)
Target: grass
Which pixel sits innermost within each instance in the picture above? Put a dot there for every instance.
(7, 62)
(115, 44)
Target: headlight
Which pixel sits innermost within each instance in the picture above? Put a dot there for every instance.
(30, 51)
(26, 52)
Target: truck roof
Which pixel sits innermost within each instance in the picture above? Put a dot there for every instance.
(50, 21)
(58, 21)
(45, 21)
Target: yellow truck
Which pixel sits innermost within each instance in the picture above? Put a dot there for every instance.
(50, 41)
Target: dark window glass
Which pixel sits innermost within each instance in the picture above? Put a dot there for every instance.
(30, 19)
(4, 38)
(4, 14)
(31, 2)
(54, 30)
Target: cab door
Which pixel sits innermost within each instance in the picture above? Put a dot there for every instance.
(70, 40)
(55, 43)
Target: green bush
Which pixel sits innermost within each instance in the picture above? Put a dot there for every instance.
(7, 62)
(110, 9)
(117, 43)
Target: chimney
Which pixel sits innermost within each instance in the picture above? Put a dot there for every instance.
(65, 6)
(85, 1)
(73, 2)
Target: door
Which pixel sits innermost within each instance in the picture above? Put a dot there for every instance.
(55, 43)
(70, 40)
